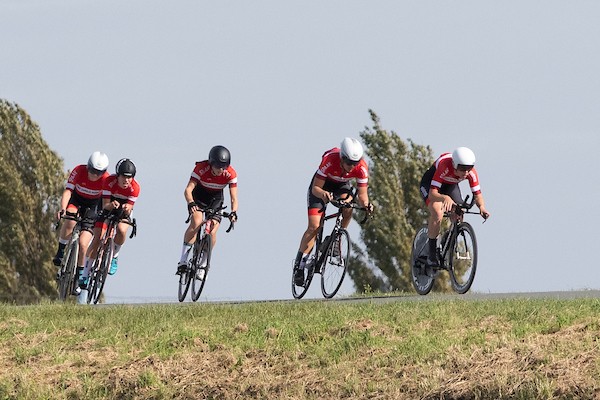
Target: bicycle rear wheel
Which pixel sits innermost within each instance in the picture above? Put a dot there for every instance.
(423, 277)
(202, 252)
(335, 263)
(463, 259)
(298, 291)
(67, 274)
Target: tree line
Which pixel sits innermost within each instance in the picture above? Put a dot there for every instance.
(32, 179)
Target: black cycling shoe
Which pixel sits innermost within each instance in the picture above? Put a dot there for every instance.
(57, 260)
(181, 268)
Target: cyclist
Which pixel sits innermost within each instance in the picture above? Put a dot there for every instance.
(81, 196)
(119, 194)
(332, 180)
(205, 190)
(440, 190)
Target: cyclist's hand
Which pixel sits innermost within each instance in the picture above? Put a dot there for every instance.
(327, 196)
(370, 209)
(484, 213)
(60, 214)
(233, 216)
(192, 207)
(447, 204)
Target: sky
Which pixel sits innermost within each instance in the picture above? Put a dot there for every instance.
(278, 83)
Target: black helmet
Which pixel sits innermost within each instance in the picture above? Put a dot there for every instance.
(125, 167)
(219, 157)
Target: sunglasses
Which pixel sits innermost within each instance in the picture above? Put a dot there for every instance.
(349, 162)
(95, 171)
(465, 168)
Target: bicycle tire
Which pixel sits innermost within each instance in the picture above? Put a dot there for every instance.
(204, 248)
(299, 291)
(92, 285)
(98, 279)
(333, 267)
(185, 278)
(67, 275)
(463, 259)
(423, 277)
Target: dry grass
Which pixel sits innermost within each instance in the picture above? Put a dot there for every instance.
(365, 353)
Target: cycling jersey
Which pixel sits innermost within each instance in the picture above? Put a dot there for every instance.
(80, 184)
(446, 174)
(113, 191)
(204, 177)
(331, 169)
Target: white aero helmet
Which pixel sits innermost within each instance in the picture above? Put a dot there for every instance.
(463, 156)
(351, 150)
(97, 162)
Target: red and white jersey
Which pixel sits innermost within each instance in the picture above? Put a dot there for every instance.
(79, 183)
(331, 169)
(113, 191)
(204, 177)
(445, 173)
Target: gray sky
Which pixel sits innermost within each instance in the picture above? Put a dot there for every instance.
(279, 82)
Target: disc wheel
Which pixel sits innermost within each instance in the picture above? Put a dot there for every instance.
(423, 277)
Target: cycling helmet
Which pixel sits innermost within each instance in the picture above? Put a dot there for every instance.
(463, 156)
(98, 162)
(351, 150)
(125, 167)
(219, 157)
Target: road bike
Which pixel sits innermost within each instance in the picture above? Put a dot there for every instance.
(66, 278)
(456, 253)
(194, 276)
(329, 255)
(100, 268)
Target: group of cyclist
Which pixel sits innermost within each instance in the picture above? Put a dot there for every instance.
(439, 189)
(91, 194)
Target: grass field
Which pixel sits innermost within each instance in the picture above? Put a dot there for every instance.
(439, 349)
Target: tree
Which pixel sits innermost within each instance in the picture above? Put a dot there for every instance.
(31, 182)
(395, 171)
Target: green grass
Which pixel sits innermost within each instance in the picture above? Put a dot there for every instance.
(311, 349)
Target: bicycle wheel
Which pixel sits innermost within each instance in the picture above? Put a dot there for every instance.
(298, 291)
(423, 277)
(463, 259)
(185, 278)
(67, 275)
(200, 271)
(335, 263)
(101, 273)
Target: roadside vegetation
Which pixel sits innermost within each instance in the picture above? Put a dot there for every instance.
(412, 349)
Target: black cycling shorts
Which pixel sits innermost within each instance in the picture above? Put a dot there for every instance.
(449, 189)
(208, 199)
(87, 210)
(339, 190)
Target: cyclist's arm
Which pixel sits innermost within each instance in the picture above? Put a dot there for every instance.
(480, 203)
(233, 197)
(64, 201)
(318, 191)
(363, 196)
(189, 198)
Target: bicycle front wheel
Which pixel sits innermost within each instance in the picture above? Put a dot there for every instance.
(463, 260)
(333, 269)
(200, 266)
(100, 274)
(66, 280)
(423, 277)
(185, 278)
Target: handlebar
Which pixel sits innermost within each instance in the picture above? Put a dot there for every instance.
(342, 204)
(214, 212)
(465, 206)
